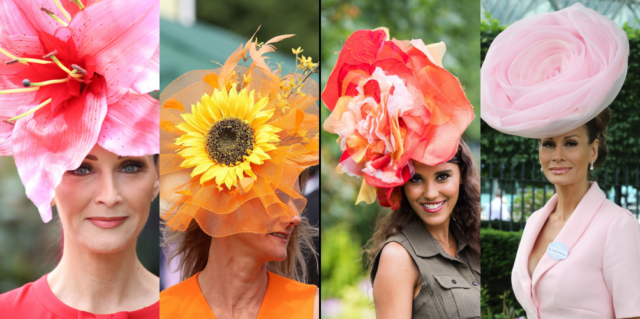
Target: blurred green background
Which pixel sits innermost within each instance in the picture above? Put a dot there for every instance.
(220, 27)
(29, 248)
(346, 290)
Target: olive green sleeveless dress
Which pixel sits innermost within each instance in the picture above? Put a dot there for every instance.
(450, 286)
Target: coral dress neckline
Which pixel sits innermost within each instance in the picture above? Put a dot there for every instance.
(62, 310)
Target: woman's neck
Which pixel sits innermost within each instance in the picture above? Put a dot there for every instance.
(440, 232)
(569, 196)
(234, 281)
(102, 283)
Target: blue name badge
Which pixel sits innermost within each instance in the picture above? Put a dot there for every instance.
(557, 251)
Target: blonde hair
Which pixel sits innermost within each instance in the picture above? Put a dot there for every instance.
(192, 246)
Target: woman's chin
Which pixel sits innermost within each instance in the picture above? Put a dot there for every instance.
(106, 244)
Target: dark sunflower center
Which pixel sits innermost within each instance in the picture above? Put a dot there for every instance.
(228, 140)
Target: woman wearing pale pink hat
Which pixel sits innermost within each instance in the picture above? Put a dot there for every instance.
(551, 77)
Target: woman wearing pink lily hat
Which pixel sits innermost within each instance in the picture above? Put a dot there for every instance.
(552, 77)
(77, 118)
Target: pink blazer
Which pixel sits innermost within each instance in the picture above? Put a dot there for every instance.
(600, 278)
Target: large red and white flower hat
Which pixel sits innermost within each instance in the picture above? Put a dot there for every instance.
(392, 102)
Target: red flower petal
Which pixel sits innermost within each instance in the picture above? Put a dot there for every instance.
(361, 47)
(58, 141)
(372, 89)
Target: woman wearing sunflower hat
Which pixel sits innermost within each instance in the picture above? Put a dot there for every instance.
(399, 116)
(82, 128)
(235, 146)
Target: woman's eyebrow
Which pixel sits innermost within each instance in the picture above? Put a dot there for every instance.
(443, 171)
(91, 157)
(574, 135)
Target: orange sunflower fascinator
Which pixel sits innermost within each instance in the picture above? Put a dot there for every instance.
(234, 140)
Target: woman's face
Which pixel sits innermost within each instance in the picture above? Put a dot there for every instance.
(269, 247)
(433, 191)
(565, 159)
(104, 204)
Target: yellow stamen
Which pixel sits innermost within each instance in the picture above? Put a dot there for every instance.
(25, 60)
(19, 90)
(13, 119)
(79, 4)
(51, 14)
(13, 57)
(48, 82)
(64, 68)
(61, 8)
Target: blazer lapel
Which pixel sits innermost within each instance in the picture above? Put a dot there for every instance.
(573, 229)
(527, 242)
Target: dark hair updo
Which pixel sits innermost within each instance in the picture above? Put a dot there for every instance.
(597, 129)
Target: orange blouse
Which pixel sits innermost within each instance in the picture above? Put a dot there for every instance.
(284, 299)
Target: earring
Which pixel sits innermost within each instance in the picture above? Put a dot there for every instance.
(541, 169)
(591, 168)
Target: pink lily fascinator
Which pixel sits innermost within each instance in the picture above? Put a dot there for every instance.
(73, 74)
(551, 73)
(391, 102)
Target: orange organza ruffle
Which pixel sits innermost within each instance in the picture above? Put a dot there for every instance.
(261, 206)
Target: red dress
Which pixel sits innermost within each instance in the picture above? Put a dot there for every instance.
(36, 300)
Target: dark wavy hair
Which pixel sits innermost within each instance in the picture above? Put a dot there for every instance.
(466, 213)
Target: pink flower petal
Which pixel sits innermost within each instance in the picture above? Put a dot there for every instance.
(72, 8)
(5, 139)
(24, 17)
(47, 144)
(122, 36)
(19, 46)
(149, 78)
(131, 126)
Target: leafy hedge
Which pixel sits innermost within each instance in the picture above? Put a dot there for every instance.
(498, 254)
(624, 136)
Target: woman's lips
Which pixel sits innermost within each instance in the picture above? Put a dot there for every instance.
(107, 222)
(433, 207)
(280, 236)
(559, 170)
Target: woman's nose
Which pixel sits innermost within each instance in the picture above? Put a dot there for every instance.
(295, 221)
(430, 190)
(107, 191)
(557, 154)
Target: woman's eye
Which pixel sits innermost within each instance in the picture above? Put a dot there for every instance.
(130, 169)
(81, 171)
(571, 144)
(442, 177)
(415, 179)
(548, 144)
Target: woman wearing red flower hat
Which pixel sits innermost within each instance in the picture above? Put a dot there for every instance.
(77, 118)
(400, 116)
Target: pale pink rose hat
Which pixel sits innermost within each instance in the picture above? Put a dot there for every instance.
(550, 73)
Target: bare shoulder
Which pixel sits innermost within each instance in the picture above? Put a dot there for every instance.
(396, 255)
(396, 264)
(396, 278)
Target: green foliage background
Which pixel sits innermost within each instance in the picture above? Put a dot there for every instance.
(276, 17)
(345, 226)
(498, 254)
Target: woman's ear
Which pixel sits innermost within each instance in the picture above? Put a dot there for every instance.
(53, 202)
(156, 189)
(594, 150)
